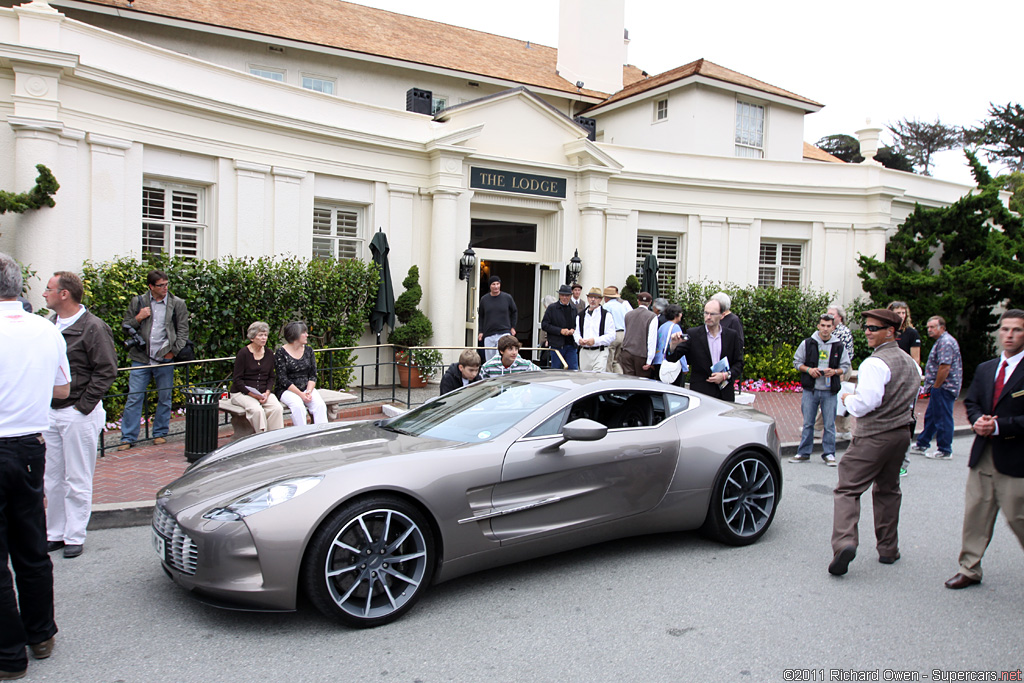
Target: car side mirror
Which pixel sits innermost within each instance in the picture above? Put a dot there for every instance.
(580, 430)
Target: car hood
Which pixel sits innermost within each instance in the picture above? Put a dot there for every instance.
(266, 458)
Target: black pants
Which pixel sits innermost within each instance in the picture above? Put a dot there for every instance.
(23, 540)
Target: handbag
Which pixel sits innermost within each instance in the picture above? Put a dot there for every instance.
(669, 370)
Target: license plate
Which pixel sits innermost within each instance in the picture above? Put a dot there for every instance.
(158, 545)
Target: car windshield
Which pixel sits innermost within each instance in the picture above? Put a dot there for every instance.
(476, 413)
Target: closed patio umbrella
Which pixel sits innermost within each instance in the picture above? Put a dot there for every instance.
(650, 272)
(384, 310)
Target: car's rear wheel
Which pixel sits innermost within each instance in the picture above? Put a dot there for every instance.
(370, 562)
(743, 500)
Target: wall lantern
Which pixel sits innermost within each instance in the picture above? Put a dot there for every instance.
(467, 263)
(573, 269)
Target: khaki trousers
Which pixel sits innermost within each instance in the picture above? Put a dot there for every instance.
(613, 353)
(269, 415)
(987, 492)
(870, 461)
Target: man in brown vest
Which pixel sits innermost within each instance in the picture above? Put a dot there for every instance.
(640, 340)
(887, 386)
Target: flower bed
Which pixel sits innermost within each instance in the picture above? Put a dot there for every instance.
(763, 385)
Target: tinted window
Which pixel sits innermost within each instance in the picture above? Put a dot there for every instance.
(676, 404)
(621, 409)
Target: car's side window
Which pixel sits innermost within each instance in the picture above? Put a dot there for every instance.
(550, 426)
(621, 409)
(676, 404)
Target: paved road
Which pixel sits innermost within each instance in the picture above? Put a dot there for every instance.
(661, 608)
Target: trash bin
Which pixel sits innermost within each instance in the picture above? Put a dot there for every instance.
(200, 422)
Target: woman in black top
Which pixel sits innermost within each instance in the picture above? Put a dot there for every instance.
(254, 380)
(907, 337)
(296, 376)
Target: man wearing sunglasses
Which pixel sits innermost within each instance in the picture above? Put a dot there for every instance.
(887, 387)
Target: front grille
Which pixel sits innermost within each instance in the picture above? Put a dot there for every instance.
(179, 550)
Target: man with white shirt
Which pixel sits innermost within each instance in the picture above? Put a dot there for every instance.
(576, 300)
(640, 340)
(995, 407)
(594, 333)
(618, 307)
(887, 385)
(75, 421)
(33, 372)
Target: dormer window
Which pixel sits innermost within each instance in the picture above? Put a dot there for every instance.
(749, 130)
(660, 110)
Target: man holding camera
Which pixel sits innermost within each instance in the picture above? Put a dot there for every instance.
(157, 326)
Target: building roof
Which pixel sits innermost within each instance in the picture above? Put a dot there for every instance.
(818, 154)
(702, 67)
(348, 26)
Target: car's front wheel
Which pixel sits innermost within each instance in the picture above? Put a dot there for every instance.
(743, 500)
(370, 562)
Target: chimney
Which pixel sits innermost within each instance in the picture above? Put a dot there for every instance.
(592, 43)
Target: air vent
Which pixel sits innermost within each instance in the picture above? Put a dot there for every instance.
(418, 101)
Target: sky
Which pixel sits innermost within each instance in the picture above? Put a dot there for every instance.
(883, 60)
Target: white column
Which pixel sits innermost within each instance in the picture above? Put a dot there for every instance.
(399, 229)
(740, 246)
(713, 249)
(251, 202)
(109, 201)
(439, 282)
(839, 259)
(620, 247)
(289, 218)
(591, 247)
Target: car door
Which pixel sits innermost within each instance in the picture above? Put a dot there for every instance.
(547, 488)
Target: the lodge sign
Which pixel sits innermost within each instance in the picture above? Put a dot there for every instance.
(522, 183)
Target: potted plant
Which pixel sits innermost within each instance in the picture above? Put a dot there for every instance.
(415, 366)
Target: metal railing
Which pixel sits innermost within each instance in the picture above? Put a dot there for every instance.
(328, 367)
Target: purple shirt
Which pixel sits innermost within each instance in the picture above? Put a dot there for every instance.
(715, 345)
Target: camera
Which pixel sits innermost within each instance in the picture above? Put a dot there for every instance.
(134, 338)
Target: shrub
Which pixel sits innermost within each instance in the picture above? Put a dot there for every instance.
(416, 329)
(772, 363)
(632, 288)
(225, 296)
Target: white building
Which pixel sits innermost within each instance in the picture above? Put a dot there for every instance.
(216, 127)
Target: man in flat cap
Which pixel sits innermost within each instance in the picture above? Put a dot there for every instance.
(887, 387)
(559, 322)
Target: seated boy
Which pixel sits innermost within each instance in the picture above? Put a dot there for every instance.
(464, 372)
(507, 360)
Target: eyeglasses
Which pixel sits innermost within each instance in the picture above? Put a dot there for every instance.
(160, 285)
(827, 316)
(875, 328)
(59, 289)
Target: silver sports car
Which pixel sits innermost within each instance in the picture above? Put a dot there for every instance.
(364, 517)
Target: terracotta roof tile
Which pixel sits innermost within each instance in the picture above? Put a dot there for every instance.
(348, 26)
(818, 154)
(701, 67)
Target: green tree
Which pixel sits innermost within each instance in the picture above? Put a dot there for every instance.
(958, 262)
(39, 196)
(920, 140)
(1002, 135)
(847, 148)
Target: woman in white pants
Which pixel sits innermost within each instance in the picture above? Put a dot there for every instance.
(296, 376)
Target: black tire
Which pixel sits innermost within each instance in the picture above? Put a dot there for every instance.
(370, 561)
(743, 500)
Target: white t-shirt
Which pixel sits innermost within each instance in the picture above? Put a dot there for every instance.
(35, 359)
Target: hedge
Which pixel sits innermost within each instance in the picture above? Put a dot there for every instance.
(225, 296)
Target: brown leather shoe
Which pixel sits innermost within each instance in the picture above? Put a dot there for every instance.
(889, 559)
(42, 650)
(961, 581)
(841, 562)
(159, 440)
(12, 675)
(125, 446)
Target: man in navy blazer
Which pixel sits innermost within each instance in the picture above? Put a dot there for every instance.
(995, 407)
(703, 346)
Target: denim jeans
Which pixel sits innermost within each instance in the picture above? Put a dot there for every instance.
(27, 618)
(138, 381)
(938, 421)
(810, 401)
(572, 358)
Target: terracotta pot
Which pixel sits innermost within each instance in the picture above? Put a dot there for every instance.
(408, 375)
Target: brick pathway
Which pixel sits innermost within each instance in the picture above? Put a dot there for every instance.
(134, 476)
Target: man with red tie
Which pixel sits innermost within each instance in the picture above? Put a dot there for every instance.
(995, 407)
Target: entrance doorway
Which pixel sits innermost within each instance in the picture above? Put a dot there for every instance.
(520, 281)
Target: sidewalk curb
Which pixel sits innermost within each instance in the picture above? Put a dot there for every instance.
(790, 447)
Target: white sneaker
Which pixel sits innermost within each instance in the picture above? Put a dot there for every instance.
(914, 448)
(844, 436)
(829, 459)
(938, 455)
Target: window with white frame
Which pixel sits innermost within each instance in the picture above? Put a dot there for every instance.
(666, 249)
(337, 232)
(660, 110)
(324, 85)
(780, 264)
(749, 130)
(437, 103)
(173, 219)
(272, 74)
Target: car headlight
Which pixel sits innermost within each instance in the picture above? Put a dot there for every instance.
(263, 498)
